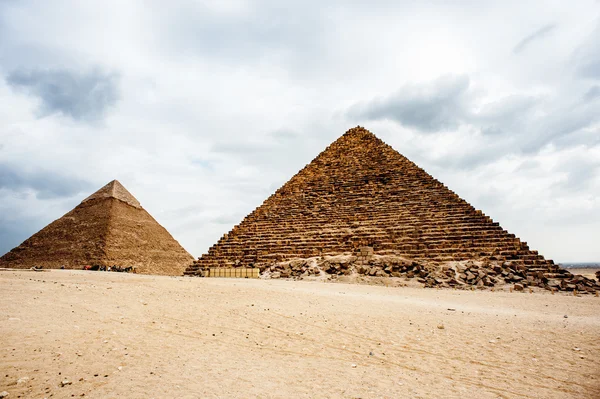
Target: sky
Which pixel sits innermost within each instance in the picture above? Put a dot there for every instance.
(202, 109)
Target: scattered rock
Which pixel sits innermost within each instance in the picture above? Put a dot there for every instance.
(65, 382)
(353, 365)
(441, 326)
(518, 287)
(482, 274)
(3, 394)
(22, 380)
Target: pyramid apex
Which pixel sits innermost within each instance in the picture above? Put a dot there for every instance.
(358, 129)
(359, 132)
(114, 189)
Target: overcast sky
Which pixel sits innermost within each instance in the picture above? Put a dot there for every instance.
(203, 109)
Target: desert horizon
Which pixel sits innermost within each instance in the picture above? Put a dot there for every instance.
(89, 334)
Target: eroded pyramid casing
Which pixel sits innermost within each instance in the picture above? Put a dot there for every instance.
(361, 192)
(108, 228)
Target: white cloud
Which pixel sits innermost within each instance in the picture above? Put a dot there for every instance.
(219, 103)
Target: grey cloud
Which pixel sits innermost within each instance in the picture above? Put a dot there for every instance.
(592, 94)
(203, 163)
(559, 125)
(268, 29)
(587, 56)
(529, 164)
(429, 107)
(518, 123)
(81, 96)
(591, 69)
(284, 135)
(579, 174)
(583, 137)
(240, 148)
(474, 159)
(538, 34)
(14, 232)
(504, 116)
(226, 219)
(44, 183)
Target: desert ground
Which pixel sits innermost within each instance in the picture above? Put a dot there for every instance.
(110, 335)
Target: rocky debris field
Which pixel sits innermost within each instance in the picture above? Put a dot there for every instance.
(460, 275)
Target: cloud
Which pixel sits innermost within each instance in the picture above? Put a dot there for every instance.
(591, 69)
(587, 55)
(214, 105)
(537, 35)
(504, 116)
(428, 107)
(241, 33)
(516, 123)
(81, 96)
(44, 183)
(14, 232)
(592, 94)
(579, 174)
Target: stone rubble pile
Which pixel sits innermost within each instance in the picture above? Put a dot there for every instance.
(461, 275)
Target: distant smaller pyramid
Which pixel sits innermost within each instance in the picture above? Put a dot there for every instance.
(108, 228)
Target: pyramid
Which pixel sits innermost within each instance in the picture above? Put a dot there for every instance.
(108, 228)
(360, 192)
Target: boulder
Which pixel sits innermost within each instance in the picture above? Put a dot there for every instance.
(518, 287)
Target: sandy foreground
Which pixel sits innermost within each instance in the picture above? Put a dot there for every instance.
(112, 335)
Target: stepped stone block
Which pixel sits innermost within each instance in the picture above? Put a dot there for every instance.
(360, 193)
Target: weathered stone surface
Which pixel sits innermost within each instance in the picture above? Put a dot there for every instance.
(362, 198)
(107, 228)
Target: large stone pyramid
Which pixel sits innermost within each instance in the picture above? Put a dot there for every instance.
(108, 228)
(361, 192)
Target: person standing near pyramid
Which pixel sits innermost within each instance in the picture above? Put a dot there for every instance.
(109, 227)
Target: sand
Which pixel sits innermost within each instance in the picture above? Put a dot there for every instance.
(112, 335)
